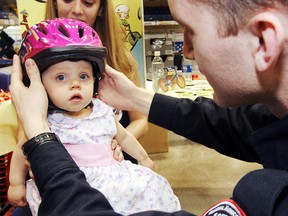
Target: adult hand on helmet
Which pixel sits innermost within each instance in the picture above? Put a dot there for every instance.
(116, 89)
(119, 92)
(31, 103)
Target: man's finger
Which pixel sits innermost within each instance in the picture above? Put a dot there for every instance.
(111, 72)
(16, 75)
(32, 71)
(108, 69)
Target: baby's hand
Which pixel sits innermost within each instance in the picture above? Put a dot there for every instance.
(117, 151)
(147, 162)
(17, 195)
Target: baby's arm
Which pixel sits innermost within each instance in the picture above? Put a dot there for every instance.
(17, 175)
(131, 146)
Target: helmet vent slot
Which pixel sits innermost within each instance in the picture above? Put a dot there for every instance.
(62, 29)
(42, 30)
(80, 31)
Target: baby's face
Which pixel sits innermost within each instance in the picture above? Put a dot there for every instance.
(69, 84)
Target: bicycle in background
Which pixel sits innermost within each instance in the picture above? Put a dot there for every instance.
(171, 78)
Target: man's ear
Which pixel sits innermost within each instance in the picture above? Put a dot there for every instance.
(188, 50)
(270, 32)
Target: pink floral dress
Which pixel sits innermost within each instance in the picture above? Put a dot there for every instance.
(129, 188)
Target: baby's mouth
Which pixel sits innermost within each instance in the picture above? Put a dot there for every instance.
(76, 98)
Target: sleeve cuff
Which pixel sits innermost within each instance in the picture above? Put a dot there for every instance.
(41, 139)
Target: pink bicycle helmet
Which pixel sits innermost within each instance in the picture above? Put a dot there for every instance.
(55, 40)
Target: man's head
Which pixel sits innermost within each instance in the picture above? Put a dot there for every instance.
(238, 45)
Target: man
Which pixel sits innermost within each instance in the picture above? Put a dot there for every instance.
(241, 47)
(244, 56)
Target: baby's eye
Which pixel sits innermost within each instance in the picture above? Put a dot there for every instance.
(61, 77)
(84, 76)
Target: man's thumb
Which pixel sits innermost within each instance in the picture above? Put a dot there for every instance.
(32, 70)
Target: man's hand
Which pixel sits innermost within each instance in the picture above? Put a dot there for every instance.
(116, 89)
(31, 102)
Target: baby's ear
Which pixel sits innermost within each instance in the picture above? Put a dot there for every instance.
(269, 30)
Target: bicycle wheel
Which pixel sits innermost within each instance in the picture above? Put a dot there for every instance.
(181, 81)
(172, 81)
(163, 84)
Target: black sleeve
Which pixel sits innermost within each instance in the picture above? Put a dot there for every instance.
(63, 186)
(226, 130)
(263, 192)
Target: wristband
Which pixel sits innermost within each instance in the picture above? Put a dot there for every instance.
(41, 139)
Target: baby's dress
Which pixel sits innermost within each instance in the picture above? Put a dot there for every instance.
(129, 188)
